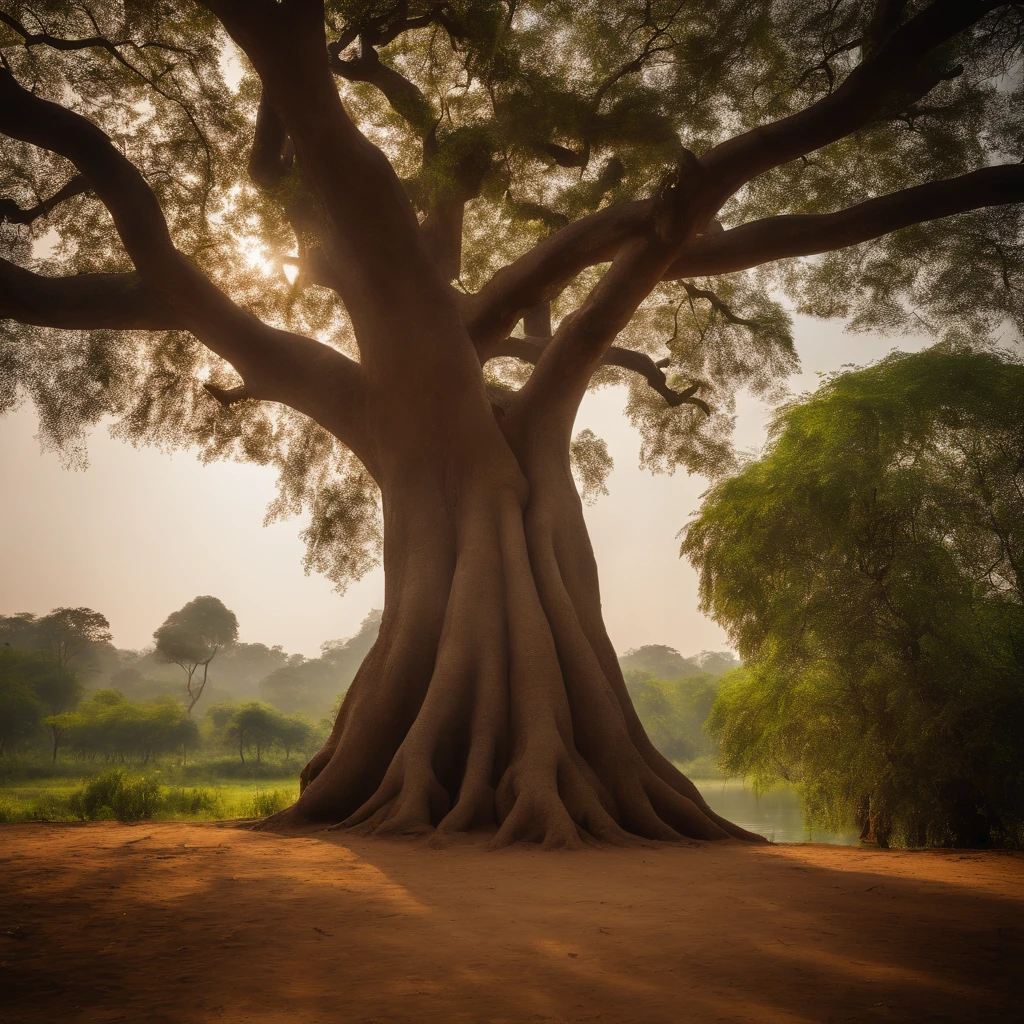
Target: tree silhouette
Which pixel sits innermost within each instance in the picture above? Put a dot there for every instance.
(341, 241)
(70, 632)
(192, 636)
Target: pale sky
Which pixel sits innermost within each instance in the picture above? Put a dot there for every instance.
(139, 532)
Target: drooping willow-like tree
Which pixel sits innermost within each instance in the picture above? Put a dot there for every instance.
(332, 218)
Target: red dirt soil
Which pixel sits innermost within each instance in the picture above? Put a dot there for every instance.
(204, 923)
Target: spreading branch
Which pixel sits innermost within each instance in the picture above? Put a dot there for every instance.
(406, 98)
(718, 305)
(82, 302)
(276, 365)
(14, 214)
(543, 272)
(774, 238)
(892, 70)
(530, 349)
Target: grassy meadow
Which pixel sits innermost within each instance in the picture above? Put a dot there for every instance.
(210, 791)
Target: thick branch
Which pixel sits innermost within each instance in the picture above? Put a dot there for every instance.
(275, 365)
(774, 238)
(14, 214)
(82, 302)
(548, 267)
(405, 97)
(542, 273)
(371, 235)
(267, 163)
(891, 70)
(529, 350)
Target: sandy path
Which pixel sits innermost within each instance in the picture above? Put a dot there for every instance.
(189, 923)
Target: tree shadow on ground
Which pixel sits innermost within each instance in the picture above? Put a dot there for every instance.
(197, 923)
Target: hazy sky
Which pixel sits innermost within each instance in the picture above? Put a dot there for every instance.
(139, 532)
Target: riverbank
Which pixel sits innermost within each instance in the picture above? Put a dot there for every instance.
(211, 923)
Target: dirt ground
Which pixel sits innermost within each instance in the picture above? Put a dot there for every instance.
(196, 923)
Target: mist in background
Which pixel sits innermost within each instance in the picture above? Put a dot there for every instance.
(140, 532)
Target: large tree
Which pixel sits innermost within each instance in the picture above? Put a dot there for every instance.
(870, 568)
(337, 224)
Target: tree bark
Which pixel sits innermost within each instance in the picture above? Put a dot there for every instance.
(492, 701)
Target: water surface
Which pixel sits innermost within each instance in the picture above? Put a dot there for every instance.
(775, 815)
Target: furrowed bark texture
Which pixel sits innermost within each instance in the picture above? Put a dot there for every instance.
(492, 700)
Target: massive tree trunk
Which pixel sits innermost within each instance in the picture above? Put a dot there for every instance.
(492, 700)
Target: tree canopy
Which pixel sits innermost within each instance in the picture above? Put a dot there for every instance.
(110, 725)
(869, 568)
(193, 635)
(530, 138)
(64, 633)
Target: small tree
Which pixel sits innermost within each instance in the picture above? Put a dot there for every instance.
(254, 725)
(58, 691)
(110, 725)
(70, 632)
(20, 710)
(192, 636)
(295, 732)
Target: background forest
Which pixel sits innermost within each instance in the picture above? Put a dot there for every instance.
(84, 724)
(868, 567)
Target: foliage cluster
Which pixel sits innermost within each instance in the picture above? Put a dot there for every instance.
(534, 115)
(869, 568)
(673, 713)
(257, 727)
(110, 726)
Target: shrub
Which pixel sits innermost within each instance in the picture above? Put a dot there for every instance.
(190, 802)
(263, 803)
(119, 795)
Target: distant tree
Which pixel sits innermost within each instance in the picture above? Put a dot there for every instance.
(870, 568)
(667, 663)
(297, 732)
(192, 636)
(255, 725)
(716, 663)
(244, 666)
(70, 632)
(673, 712)
(58, 691)
(347, 655)
(20, 631)
(21, 712)
(309, 687)
(110, 725)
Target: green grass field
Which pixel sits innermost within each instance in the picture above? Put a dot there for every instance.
(198, 793)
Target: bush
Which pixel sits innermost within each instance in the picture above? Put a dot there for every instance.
(190, 802)
(117, 794)
(264, 804)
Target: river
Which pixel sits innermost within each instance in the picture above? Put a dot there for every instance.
(776, 815)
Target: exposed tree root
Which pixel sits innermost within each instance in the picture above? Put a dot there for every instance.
(522, 730)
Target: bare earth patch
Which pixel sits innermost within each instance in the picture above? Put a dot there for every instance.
(194, 923)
